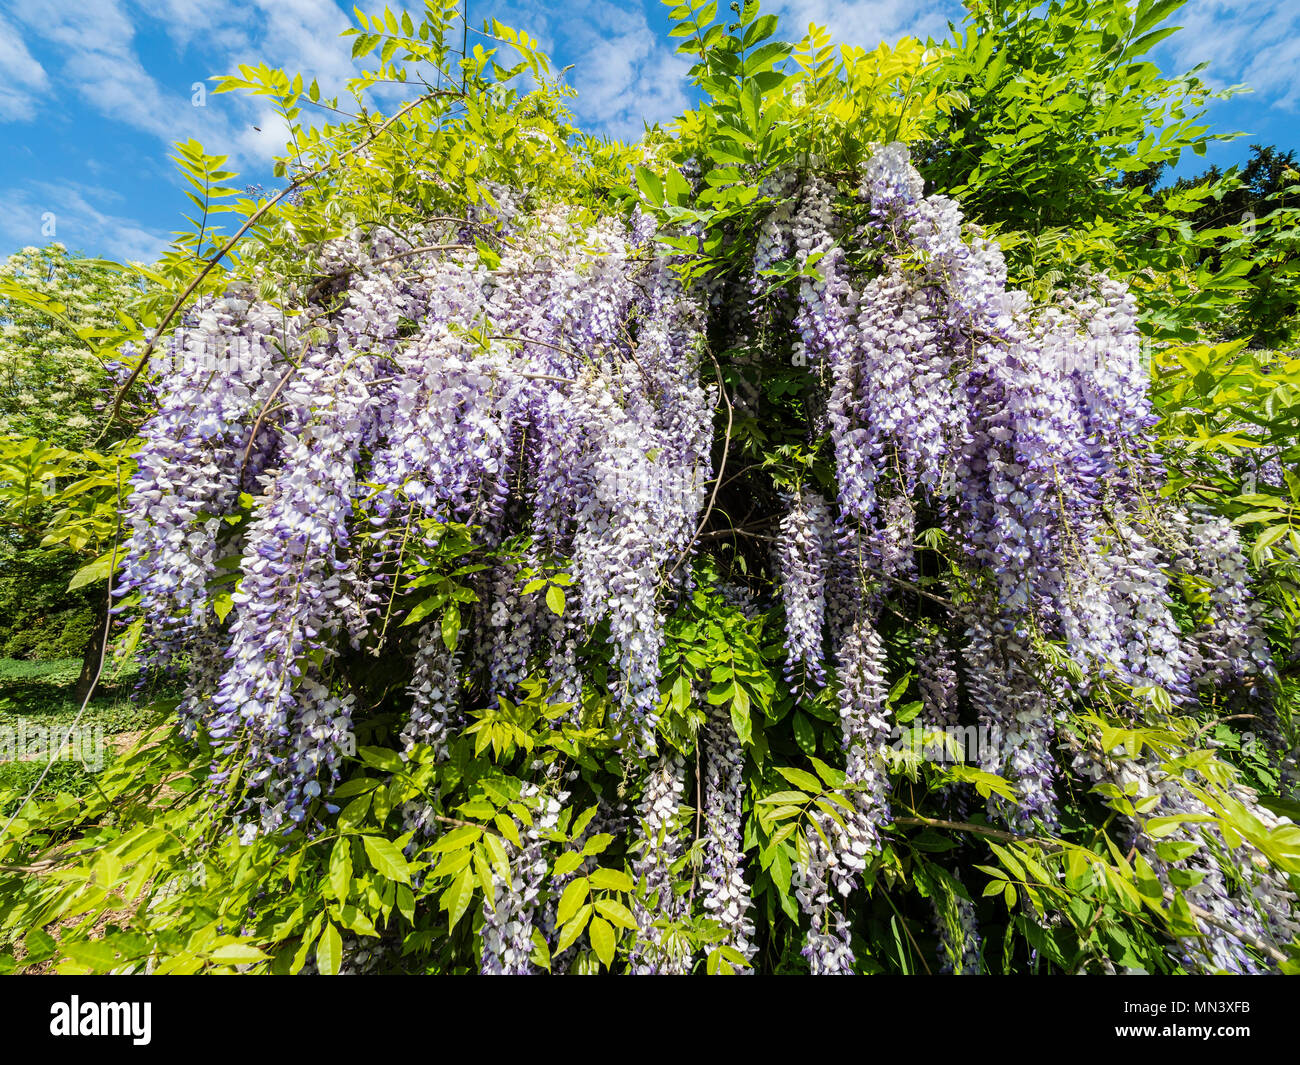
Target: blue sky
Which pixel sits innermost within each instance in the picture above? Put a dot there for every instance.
(92, 92)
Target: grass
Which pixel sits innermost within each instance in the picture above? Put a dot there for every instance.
(39, 695)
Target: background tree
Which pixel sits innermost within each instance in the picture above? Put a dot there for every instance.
(53, 380)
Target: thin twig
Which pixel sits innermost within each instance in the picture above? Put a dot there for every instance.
(252, 220)
(257, 425)
(722, 468)
(455, 821)
(912, 586)
(1230, 717)
(46, 864)
(979, 830)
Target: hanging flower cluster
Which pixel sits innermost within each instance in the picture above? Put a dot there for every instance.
(802, 554)
(1238, 908)
(840, 846)
(1228, 648)
(511, 916)
(726, 895)
(305, 449)
(1025, 430)
(659, 845)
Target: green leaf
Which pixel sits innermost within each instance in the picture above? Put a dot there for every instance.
(329, 950)
(781, 798)
(356, 786)
(456, 839)
(39, 946)
(222, 604)
(831, 777)
(387, 859)
(406, 902)
(451, 626)
(423, 609)
(780, 868)
(602, 940)
(381, 758)
(801, 779)
(238, 954)
(93, 953)
(650, 185)
(456, 899)
(740, 720)
(340, 868)
(555, 599)
(571, 931)
(759, 30)
(1152, 14)
(497, 852)
(766, 55)
(617, 913)
(611, 880)
(575, 894)
(803, 733)
(98, 570)
(566, 863)
(678, 191)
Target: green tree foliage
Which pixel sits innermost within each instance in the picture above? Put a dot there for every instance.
(1251, 219)
(53, 305)
(1062, 105)
(55, 308)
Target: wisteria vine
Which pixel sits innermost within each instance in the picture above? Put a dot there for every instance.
(537, 376)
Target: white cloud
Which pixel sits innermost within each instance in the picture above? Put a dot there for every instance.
(625, 72)
(94, 45)
(1256, 42)
(265, 137)
(189, 21)
(297, 36)
(1272, 71)
(303, 36)
(867, 22)
(67, 212)
(21, 77)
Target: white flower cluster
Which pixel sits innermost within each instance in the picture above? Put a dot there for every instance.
(507, 938)
(726, 895)
(659, 845)
(803, 551)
